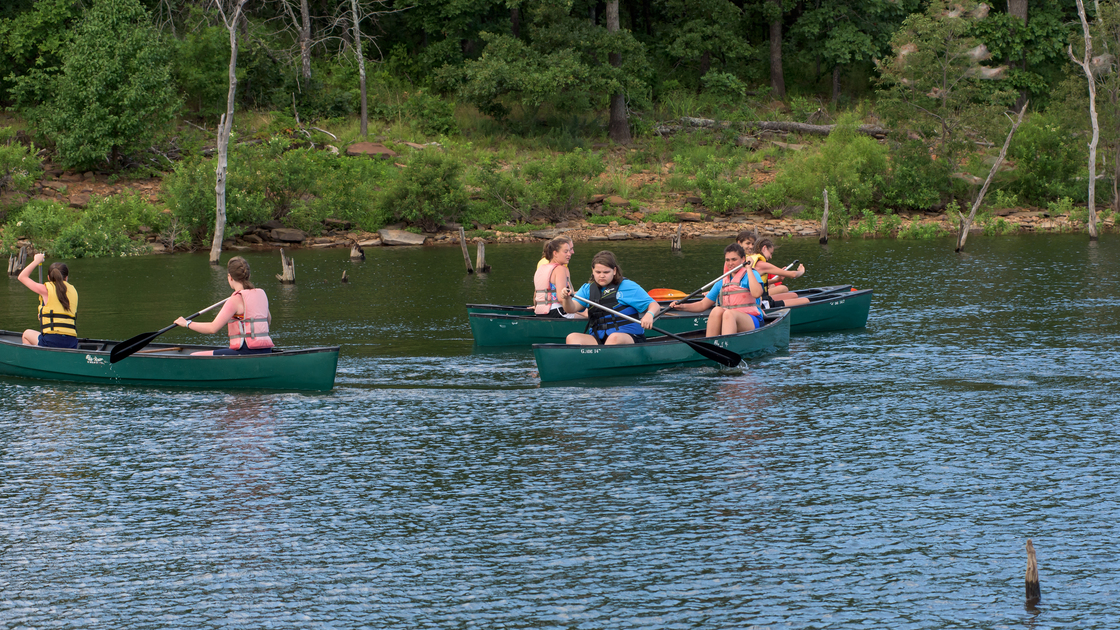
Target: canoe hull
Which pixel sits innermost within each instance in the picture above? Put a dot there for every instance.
(170, 366)
(828, 312)
(561, 362)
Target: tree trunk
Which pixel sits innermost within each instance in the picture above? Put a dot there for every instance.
(705, 63)
(305, 39)
(1018, 8)
(835, 82)
(225, 127)
(619, 127)
(777, 77)
(515, 22)
(361, 64)
(1085, 65)
(966, 223)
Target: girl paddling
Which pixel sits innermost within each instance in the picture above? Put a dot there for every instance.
(245, 315)
(58, 307)
(609, 288)
(734, 297)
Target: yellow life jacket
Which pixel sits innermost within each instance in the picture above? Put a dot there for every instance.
(53, 318)
(769, 279)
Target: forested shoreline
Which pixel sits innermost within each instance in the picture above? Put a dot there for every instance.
(511, 117)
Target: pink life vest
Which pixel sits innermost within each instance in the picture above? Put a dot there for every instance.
(544, 291)
(735, 294)
(252, 326)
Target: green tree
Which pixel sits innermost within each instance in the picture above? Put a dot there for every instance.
(114, 92)
(935, 86)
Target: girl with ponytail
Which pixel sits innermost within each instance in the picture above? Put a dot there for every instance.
(58, 307)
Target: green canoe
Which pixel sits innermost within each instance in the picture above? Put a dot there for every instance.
(827, 311)
(562, 362)
(166, 365)
(527, 310)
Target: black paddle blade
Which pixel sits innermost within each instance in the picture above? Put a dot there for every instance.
(128, 347)
(723, 356)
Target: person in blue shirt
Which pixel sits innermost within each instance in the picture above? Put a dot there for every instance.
(609, 288)
(735, 297)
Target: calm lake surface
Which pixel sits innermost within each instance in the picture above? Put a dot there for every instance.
(880, 478)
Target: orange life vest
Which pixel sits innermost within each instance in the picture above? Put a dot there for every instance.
(735, 294)
(251, 326)
(544, 291)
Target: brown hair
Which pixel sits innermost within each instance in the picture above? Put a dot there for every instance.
(765, 242)
(746, 235)
(57, 274)
(607, 259)
(553, 246)
(238, 269)
(736, 249)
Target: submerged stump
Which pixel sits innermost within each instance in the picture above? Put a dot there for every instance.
(466, 254)
(289, 268)
(1034, 592)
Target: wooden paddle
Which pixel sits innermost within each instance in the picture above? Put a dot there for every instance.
(713, 352)
(130, 346)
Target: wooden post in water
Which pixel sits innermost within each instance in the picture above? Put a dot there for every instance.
(356, 252)
(480, 259)
(675, 240)
(824, 220)
(344, 278)
(16, 263)
(289, 268)
(466, 254)
(1034, 592)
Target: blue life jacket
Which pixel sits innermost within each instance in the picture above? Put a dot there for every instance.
(600, 324)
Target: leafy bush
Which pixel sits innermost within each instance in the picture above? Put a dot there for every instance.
(998, 226)
(103, 229)
(19, 167)
(916, 180)
(720, 189)
(1049, 158)
(663, 216)
(921, 231)
(851, 165)
(549, 188)
(114, 92)
(299, 187)
(426, 194)
(433, 115)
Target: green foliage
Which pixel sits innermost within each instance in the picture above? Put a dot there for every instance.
(919, 230)
(200, 68)
(19, 167)
(1049, 157)
(1063, 206)
(114, 91)
(299, 187)
(104, 228)
(935, 85)
(916, 180)
(851, 165)
(426, 194)
(605, 220)
(31, 46)
(663, 216)
(868, 225)
(549, 188)
(433, 115)
(1001, 200)
(998, 226)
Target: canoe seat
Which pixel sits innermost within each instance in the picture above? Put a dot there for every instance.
(91, 347)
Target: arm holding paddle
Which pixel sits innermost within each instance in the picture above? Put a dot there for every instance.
(25, 275)
(220, 320)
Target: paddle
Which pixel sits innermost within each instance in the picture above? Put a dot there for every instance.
(129, 347)
(698, 291)
(713, 352)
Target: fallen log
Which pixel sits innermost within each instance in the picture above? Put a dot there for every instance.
(767, 125)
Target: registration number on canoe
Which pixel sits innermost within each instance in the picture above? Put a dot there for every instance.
(589, 351)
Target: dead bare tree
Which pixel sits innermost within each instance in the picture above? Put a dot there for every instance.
(225, 126)
(966, 222)
(1087, 67)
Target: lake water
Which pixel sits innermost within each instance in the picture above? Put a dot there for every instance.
(880, 478)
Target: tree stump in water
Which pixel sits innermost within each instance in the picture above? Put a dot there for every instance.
(675, 240)
(356, 252)
(824, 220)
(466, 254)
(480, 259)
(289, 268)
(16, 262)
(1034, 592)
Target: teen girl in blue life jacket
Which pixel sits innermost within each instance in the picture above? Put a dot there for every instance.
(609, 288)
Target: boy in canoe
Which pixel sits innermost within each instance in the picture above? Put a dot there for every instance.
(735, 297)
